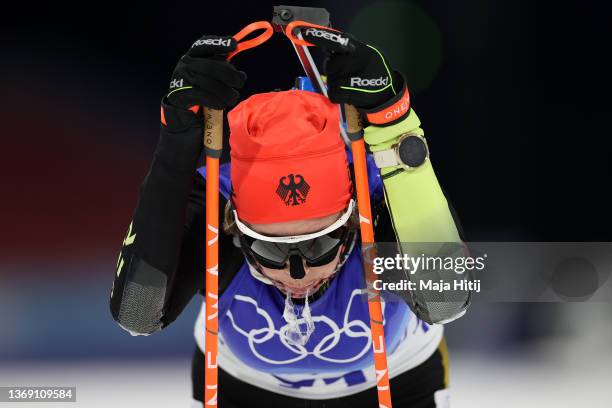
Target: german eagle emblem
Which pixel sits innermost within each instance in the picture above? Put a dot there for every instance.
(292, 189)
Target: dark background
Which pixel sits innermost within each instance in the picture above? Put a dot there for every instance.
(513, 97)
(514, 111)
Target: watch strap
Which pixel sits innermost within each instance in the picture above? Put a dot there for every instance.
(385, 158)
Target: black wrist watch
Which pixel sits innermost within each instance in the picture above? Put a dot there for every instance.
(409, 152)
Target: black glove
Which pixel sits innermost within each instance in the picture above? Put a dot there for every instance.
(357, 73)
(204, 77)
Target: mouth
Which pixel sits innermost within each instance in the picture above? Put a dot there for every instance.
(300, 292)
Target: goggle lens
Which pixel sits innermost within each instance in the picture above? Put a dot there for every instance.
(318, 251)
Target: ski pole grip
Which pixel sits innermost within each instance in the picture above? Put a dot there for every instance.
(213, 132)
(354, 123)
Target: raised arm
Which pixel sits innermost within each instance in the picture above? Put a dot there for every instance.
(161, 263)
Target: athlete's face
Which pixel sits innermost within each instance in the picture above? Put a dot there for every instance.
(315, 276)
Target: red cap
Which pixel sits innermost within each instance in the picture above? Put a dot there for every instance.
(288, 161)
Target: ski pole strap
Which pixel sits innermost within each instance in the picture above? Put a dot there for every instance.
(289, 31)
(254, 42)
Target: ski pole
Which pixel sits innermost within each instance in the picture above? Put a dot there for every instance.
(355, 134)
(213, 146)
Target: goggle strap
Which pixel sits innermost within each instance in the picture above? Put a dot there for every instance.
(295, 238)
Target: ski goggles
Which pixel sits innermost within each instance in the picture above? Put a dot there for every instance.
(317, 249)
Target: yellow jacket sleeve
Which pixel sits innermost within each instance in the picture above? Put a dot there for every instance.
(418, 207)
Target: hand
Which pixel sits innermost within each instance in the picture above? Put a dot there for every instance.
(357, 73)
(204, 77)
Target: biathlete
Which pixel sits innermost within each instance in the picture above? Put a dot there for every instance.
(293, 323)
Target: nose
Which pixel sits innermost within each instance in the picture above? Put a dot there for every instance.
(296, 267)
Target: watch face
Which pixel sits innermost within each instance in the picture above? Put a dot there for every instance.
(412, 151)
